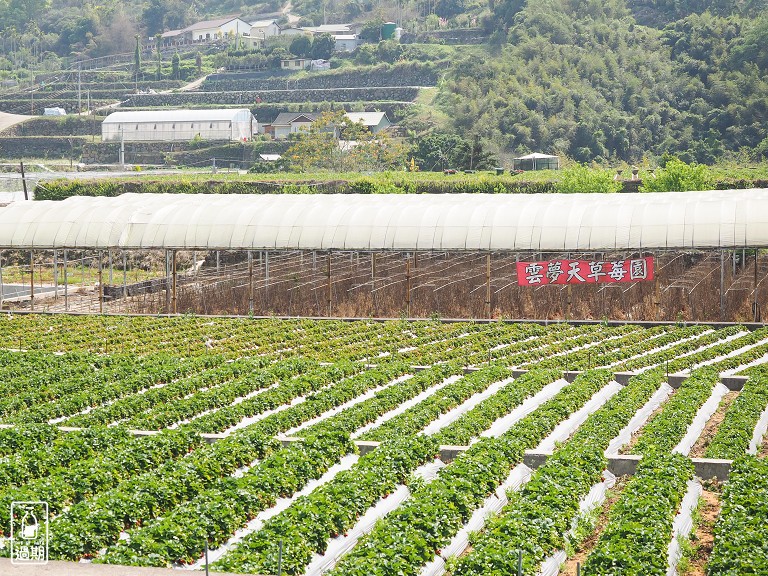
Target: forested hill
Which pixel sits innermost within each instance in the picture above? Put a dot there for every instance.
(584, 78)
(594, 79)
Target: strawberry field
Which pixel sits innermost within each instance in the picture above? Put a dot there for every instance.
(355, 448)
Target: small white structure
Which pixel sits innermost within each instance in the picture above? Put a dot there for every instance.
(179, 125)
(346, 42)
(374, 121)
(536, 161)
(296, 63)
(56, 111)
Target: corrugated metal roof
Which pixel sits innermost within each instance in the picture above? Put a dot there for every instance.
(512, 222)
(206, 115)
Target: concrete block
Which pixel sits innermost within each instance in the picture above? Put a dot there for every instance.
(709, 469)
(623, 377)
(734, 383)
(675, 380)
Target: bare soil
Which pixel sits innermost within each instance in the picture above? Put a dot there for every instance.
(586, 547)
(763, 450)
(703, 540)
(713, 425)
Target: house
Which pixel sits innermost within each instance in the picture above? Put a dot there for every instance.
(346, 42)
(179, 125)
(289, 123)
(264, 29)
(374, 121)
(296, 64)
(216, 29)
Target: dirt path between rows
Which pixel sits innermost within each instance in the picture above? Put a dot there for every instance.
(589, 543)
(713, 425)
(704, 538)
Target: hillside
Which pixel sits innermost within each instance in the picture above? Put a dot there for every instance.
(618, 81)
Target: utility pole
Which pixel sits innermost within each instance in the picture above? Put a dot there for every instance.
(79, 91)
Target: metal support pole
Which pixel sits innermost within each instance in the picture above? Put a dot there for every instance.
(754, 292)
(167, 284)
(24, 181)
(408, 287)
(488, 284)
(1, 280)
(330, 287)
(109, 255)
(250, 282)
(722, 285)
(31, 280)
(217, 261)
(173, 279)
(56, 274)
(101, 284)
(66, 283)
(125, 275)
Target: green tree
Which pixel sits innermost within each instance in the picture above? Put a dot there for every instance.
(323, 46)
(159, 74)
(371, 31)
(677, 176)
(137, 59)
(176, 65)
(581, 179)
(301, 46)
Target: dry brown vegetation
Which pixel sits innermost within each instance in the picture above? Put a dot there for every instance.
(446, 285)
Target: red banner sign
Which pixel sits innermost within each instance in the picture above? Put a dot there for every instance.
(583, 272)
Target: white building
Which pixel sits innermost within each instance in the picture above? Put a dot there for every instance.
(289, 123)
(263, 29)
(179, 125)
(374, 121)
(209, 30)
(346, 42)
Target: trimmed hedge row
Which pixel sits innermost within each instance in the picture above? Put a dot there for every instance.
(61, 189)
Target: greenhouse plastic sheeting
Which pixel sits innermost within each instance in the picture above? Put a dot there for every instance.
(515, 222)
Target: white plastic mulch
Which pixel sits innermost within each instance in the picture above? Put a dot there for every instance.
(282, 503)
(405, 405)
(453, 415)
(362, 398)
(700, 420)
(342, 544)
(594, 499)
(567, 427)
(760, 430)
(639, 419)
(682, 525)
(504, 423)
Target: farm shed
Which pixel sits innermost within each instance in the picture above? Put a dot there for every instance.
(536, 161)
(179, 125)
(311, 254)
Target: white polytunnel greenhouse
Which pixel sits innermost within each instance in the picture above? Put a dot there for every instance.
(179, 125)
(508, 222)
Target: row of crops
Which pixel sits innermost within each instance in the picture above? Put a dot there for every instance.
(329, 452)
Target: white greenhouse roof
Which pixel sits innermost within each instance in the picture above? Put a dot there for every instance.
(515, 222)
(185, 115)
